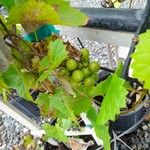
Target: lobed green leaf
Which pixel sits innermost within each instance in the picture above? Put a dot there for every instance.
(56, 55)
(141, 60)
(55, 132)
(114, 99)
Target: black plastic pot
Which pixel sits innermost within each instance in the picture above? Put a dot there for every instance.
(26, 107)
(127, 118)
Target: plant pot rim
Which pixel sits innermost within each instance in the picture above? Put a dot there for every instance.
(134, 109)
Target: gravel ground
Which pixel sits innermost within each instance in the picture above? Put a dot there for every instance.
(97, 3)
(11, 131)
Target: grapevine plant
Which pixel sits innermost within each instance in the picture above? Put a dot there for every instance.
(63, 77)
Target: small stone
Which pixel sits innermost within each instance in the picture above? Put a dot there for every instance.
(145, 146)
(1, 113)
(145, 127)
(132, 140)
(147, 140)
(136, 140)
(123, 147)
(96, 59)
(148, 125)
(139, 146)
(25, 130)
(134, 147)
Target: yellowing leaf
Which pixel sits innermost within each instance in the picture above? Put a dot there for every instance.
(56, 103)
(68, 15)
(141, 60)
(32, 14)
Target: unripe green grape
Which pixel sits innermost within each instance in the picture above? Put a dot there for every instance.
(89, 81)
(84, 54)
(95, 76)
(71, 64)
(77, 76)
(86, 72)
(80, 65)
(94, 66)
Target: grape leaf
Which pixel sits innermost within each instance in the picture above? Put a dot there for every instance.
(33, 14)
(141, 60)
(114, 99)
(81, 103)
(96, 90)
(44, 63)
(3, 85)
(68, 15)
(56, 102)
(66, 124)
(19, 81)
(10, 3)
(43, 101)
(56, 54)
(55, 132)
(101, 131)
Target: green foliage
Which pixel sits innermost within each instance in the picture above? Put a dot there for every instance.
(11, 3)
(68, 15)
(141, 60)
(81, 103)
(56, 102)
(114, 99)
(56, 54)
(43, 101)
(22, 82)
(43, 66)
(55, 132)
(28, 141)
(96, 90)
(3, 85)
(102, 131)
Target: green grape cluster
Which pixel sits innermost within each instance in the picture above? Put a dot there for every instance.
(81, 72)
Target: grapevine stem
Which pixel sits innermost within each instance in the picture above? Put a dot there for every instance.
(44, 86)
(3, 25)
(36, 37)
